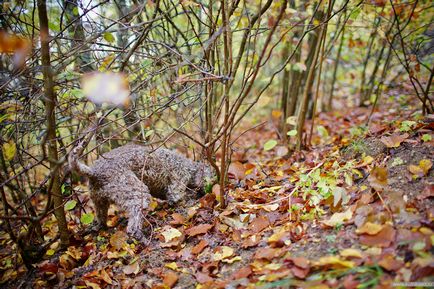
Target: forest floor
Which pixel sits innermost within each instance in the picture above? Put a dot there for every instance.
(355, 210)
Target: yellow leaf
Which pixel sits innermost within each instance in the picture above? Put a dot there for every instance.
(334, 261)
(172, 265)
(9, 150)
(351, 253)
(234, 259)
(170, 233)
(223, 252)
(425, 165)
(339, 218)
(369, 228)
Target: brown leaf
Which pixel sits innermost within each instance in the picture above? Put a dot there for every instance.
(118, 240)
(378, 178)
(132, 268)
(383, 239)
(301, 262)
(178, 219)
(267, 253)
(199, 247)
(237, 170)
(243, 272)
(170, 279)
(199, 229)
(300, 273)
(394, 140)
(202, 277)
(251, 241)
(389, 263)
(258, 224)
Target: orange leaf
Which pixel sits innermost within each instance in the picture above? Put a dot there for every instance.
(383, 239)
(199, 247)
(178, 219)
(199, 229)
(390, 263)
(170, 279)
(237, 170)
(258, 224)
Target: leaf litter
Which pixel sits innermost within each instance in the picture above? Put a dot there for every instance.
(351, 211)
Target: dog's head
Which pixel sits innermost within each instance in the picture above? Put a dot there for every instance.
(205, 177)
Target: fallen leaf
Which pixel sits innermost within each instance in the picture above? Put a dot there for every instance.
(170, 279)
(350, 252)
(369, 228)
(267, 253)
(237, 170)
(199, 229)
(199, 247)
(222, 252)
(378, 178)
(118, 240)
(383, 239)
(178, 219)
(300, 273)
(172, 265)
(243, 272)
(339, 218)
(258, 224)
(169, 233)
(334, 262)
(390, 263)
(301, 262)
(105, 276)
(202, 277)
(394, 140)
(132, 268)
(421, 170)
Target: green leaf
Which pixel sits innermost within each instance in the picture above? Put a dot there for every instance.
(149, 133)
(86, 219)
(407, 125)
(109, 37)
(70, 205)
(75, 11)
(322, 131)
(9, 150)
(270, 144)
(426, 137)
(292, 132)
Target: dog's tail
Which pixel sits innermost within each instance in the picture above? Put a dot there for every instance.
(76, 165)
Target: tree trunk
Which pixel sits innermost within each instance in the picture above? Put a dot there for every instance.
(50, 101)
